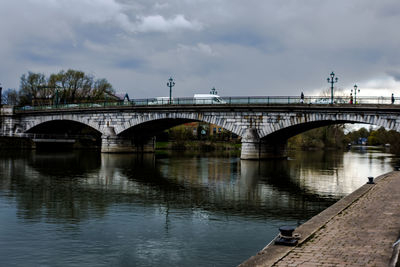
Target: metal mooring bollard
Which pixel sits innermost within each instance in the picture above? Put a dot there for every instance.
(286, 236)
(370, 180)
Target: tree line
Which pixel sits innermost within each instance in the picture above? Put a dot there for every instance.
(334, 137)
(376, 137)
(64, 87)
(331, 136)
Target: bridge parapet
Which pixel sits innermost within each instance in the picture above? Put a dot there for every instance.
(224, 101)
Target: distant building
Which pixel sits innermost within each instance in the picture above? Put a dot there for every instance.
(122, 96)
(362, 141)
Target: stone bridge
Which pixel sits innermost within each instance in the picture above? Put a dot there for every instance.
(264, 129)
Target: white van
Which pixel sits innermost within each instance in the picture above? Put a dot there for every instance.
(161, 100)
(208, 99)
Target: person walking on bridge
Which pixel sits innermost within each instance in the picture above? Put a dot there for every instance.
(392, 98)
(302, 98)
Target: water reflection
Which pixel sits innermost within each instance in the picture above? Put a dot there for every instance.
(66, 186)
(171, 197)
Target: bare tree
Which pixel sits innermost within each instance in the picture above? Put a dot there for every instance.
(30, 88)
(64, 87)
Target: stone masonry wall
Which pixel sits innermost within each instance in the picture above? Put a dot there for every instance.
(236, 122)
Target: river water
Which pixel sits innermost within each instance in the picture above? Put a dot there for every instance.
(168, 209)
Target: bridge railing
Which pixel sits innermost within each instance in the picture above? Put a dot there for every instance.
(254, 100)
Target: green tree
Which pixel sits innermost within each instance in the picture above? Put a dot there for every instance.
(102, 89)
(378, 137)
(382, 136)
(373, 139)
(67, 86)
(73, 85)
(331, 136)
(30, 87)
(354, 136)
(393, 138)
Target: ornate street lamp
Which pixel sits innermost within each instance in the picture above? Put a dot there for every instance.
(57, 99)
(332, 80)
(1, 95)
(170, 84)
(355, 93)
(213, 91)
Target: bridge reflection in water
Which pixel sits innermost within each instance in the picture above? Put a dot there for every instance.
(216, 183)
(147, 207)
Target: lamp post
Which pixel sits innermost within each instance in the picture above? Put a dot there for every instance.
(332, 80)
(1, 95)
(56, 101)
(56, 89)
(213, 91)
(355, 93)
(170, 84)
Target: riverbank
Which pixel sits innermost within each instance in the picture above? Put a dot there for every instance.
(15, 143)
(358, 230)
(20, 143)
(198, 145)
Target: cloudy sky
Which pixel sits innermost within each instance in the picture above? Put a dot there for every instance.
(252, 47)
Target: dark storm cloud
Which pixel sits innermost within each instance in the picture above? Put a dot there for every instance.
(243, 48)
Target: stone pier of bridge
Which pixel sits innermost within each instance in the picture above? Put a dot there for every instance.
(254, 148)
(112, 143)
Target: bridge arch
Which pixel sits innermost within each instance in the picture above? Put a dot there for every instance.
(33, 125)
(270, 140)
(167, 120)
(298, 124)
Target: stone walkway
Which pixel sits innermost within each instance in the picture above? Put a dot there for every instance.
(361, 234)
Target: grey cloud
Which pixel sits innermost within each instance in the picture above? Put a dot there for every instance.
(395, 74)
(130, 64)
(244, 48)
(158, 23)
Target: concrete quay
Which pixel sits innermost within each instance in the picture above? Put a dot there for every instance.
(359, 230)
